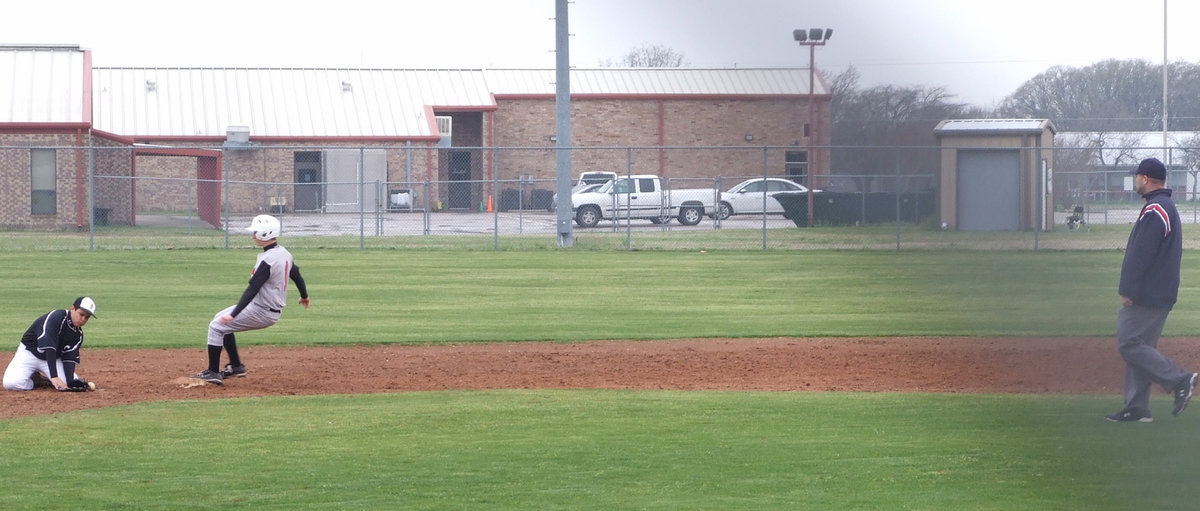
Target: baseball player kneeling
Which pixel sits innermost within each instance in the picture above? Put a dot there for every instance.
(50, 349)
(261, 304)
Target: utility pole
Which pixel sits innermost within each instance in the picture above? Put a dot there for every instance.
(562, 123)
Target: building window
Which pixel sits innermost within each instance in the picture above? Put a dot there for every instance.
(796, 166)
(44, 196)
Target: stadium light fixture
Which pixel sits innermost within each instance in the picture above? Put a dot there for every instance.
(812, 38)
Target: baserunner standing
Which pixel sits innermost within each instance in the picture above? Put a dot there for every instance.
(261, 304)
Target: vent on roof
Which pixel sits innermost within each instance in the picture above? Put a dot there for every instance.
(444, 126)
(237, 137)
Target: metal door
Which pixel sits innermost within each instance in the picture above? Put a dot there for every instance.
(989, 190)
(459, 188)
(308, 181)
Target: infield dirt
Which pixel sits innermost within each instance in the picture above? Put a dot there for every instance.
(944, 365)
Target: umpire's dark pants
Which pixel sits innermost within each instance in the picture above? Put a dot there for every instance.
(1138, 330)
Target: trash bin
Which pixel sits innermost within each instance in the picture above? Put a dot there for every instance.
(510, 199)
(100, 216)
(542, 199)
(400, 200)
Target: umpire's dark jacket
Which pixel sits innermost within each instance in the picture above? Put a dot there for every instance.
(1150, 272)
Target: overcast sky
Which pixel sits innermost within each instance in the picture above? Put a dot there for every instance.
(979, 50)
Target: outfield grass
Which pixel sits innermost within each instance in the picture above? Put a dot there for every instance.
(602, 450)
(605, 238)
(166, 298)
(594, 449)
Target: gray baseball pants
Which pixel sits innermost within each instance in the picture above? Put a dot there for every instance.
(1138, 330)
(253, 317)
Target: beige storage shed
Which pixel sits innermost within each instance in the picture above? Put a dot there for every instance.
(995, 174)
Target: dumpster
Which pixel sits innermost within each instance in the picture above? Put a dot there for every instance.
(100, 216)
(542, 199)
(510, 199)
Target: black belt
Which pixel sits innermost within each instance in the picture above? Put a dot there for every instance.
(277, 311)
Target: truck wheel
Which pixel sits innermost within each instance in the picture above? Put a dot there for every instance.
(587, 216)
(724, 211)
(690, 215)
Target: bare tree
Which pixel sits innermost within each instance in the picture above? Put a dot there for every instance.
(649, 55)
(887, 129)
(1112, 95)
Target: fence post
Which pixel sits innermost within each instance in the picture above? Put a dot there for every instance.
(428, 205)
(362, 198)
(225, 184)
(91, 197)
(494, 203)
(765, 166)
(616, 201)
(381, 200)
(899, 218)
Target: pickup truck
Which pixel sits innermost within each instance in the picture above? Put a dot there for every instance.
(642, 197)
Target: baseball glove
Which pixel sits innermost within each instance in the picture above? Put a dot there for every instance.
(76, 386)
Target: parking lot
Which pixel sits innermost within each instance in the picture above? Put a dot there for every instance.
(509, 222)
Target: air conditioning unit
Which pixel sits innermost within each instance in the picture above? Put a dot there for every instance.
(238, 137)
(444, 125)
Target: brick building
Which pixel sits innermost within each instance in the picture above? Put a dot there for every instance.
(73, 136)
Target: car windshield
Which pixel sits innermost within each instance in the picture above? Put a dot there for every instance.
(596, 178)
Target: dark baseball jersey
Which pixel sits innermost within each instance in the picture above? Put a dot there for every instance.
(54, 332)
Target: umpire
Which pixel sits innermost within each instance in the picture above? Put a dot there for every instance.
(50, 348)
(1149, 287)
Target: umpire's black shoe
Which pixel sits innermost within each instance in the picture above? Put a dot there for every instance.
(233, 371)
(1183, 392)
(1129, 416)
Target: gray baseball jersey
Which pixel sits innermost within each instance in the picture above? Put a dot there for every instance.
(273, 294)
(269, 280)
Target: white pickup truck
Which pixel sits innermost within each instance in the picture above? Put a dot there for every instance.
(642, 197)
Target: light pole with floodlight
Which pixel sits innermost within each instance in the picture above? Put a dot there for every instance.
(812, 38)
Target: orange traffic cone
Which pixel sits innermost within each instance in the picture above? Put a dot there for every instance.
(489, 209)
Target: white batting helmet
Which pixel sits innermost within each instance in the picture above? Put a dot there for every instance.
(264, 227)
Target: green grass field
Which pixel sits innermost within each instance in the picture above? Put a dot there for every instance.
(594, 449)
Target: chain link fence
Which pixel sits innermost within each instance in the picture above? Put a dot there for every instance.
(102, 198)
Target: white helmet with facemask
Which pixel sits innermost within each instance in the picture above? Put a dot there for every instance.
(264, 227)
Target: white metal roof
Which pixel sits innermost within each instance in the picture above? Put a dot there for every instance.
(42, 84)
(166, 102)
(657, 81)
(45, 84)
(148, 102)
(994, 125)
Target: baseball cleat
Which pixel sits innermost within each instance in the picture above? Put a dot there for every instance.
(1183, 392)
(40, 381)
(1129, 416)
(232, 371)
(209, 376)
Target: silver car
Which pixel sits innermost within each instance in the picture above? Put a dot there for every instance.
(751, 196)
